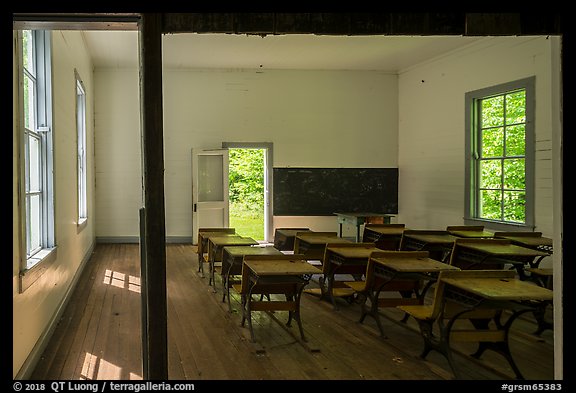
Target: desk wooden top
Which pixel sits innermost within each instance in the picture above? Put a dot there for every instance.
(362, 214)
(240, 251)
(472, 234)
(290, 231)
(414, 265)
(501, 289)
(530, 241)
(281, 267)
(232, 241)
(433, 239)
(386, 230)
(353, 252)
(206, 235)
(504, 249)
(315, 239)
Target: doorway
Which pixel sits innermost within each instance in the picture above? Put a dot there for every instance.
(249, 173)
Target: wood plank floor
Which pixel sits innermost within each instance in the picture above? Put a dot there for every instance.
(99, 335)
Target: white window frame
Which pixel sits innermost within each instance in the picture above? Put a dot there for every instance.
(82, 147)
(471, 155)
(35, 261)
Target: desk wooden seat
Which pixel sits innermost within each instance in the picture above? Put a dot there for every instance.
(403, 272)
(477, 298)
(203, 235)
(272, 275)
(384, 236)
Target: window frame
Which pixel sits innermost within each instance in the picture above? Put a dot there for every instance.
(472, 141)
(34, 264)
(82, 169)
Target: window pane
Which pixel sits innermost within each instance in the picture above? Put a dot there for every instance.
(34, 229)
(490, 204)
(491, 174)
(514, 174)
(515, 141)
(29, 99)
(28, 51)
(493, 142)
(516, 107)
(34, 168)
(515, 206)
(493, 111)
(210, 182)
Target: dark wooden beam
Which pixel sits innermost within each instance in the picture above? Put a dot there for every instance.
(154, 250)
(76, 21)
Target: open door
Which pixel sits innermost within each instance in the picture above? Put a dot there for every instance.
(209, 189)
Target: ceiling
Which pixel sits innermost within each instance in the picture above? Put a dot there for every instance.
(119, 49)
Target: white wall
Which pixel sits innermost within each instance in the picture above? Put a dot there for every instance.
(35, 309)
(313, 118)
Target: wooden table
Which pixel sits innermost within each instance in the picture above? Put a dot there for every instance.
(232, 258)
(203, 236)
(313, 244)
(215, 246)
(397, 271)
(533, 240)
(438, 243)
(351, 258)
(274, 275)
(284, 238)
(384, 236)
(496, 252)
(477, 294)
(357, 219)
(476, 234)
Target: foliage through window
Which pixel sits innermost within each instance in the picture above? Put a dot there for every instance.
(500, 160)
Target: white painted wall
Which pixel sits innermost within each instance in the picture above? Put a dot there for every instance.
(431, 136)
(313, 118)
(35, 309)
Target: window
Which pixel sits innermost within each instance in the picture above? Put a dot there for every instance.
(500, 155)
(81, 126)
(36, 110)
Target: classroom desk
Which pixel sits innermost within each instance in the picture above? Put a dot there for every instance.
(533, 240)
(472, 234)
(403, 273)
(357, 219)
(384, 236)
(474, 255)
(203, 243)
(438, 243)
(215, 246)
(274, 275)
(478, 293)
(343, 259)
(284, 238)
(232, 258)
(312, 245)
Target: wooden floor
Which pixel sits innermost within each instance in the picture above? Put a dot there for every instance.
(99, 335)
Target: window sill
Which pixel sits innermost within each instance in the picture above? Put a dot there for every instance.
(37, 265)
(499, 226)
(82, 223)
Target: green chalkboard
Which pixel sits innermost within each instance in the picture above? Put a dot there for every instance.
(324, 191)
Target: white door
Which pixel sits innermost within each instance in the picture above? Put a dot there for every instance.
(209, 189)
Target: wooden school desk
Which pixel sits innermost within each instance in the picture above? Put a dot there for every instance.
(469, 231)
(533, 240)
(384, 236)
(397, 271)
(350, 258)
(357, 219)
(232, 258)
(274, 275)
(284, 238)
(215, 246)
(203, 235)
(437, 242)
(313, 244)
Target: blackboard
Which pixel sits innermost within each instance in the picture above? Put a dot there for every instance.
(324, 191)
